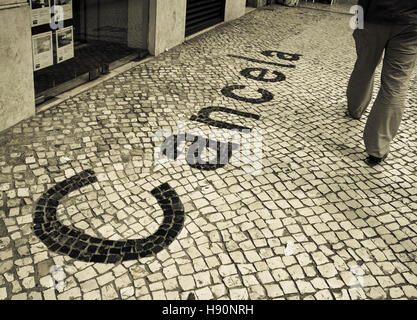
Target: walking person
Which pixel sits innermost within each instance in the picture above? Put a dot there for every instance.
(390, 30)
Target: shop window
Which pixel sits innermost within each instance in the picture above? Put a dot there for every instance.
(75, 41)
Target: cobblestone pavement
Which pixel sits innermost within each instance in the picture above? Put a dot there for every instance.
(86, 212)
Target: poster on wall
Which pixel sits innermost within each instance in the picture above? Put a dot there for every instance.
(43, 55)
(63, 10)
(40, 12)
(65, 44)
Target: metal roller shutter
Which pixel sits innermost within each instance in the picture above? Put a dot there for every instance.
(202, 14)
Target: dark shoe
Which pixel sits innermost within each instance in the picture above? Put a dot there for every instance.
(347, 114)
(373, 161)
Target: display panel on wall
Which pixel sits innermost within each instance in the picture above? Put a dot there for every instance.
(42, 9)
(51, 28)
(41, 12)
(42, 49)
(89, 38)
(63, 10)
(64, 44)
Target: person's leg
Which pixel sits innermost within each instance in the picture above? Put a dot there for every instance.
(370, 44)
(385, 117)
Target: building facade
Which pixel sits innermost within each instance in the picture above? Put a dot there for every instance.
(50, 46)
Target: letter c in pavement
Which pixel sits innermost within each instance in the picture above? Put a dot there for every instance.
(78, 245)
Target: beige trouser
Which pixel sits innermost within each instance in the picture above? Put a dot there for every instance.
(400, 45)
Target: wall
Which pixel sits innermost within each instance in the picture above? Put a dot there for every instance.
(17, 96)
(234, 9)
(166, 24)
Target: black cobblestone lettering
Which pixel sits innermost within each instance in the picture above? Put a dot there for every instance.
(263, 62)
(279, 76)
(204, 117)
(282, 55)
(73, 242)
(228, 92)
(223, 150)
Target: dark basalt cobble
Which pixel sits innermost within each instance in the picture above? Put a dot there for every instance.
(80, 246)
(204, 117)
(282, 55)
(276, 64)
(279, 76)
(228, 92)
(223, 150)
